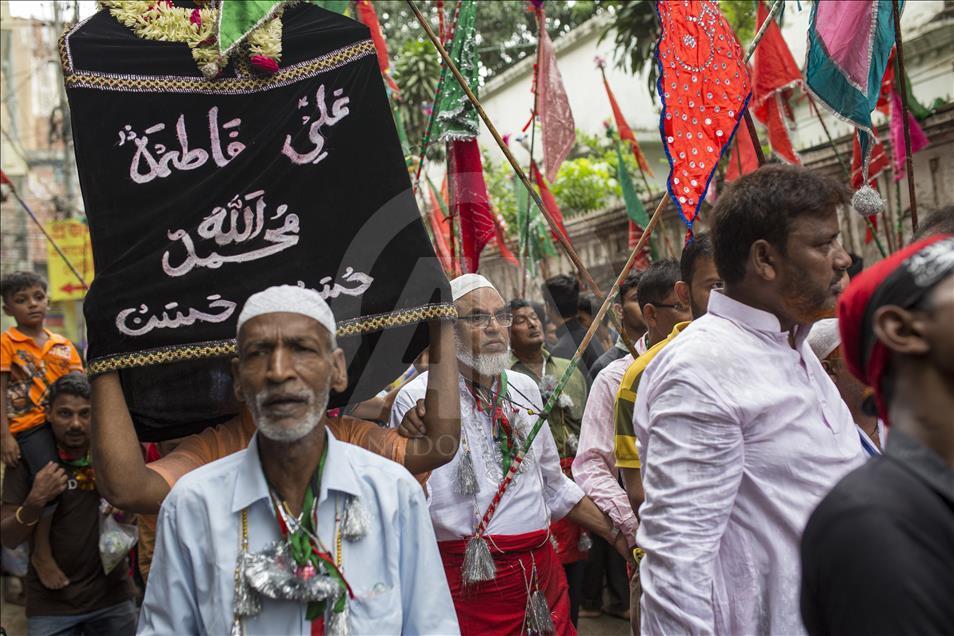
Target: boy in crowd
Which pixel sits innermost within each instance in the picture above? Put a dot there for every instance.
(32, 358)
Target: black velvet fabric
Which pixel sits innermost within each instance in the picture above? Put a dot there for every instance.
(358, 236)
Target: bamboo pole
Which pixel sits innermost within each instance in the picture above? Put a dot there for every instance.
(909, 162)
(563, 240)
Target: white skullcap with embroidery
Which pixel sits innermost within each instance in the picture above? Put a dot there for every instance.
(291, 299)
(467, 283)
(824, 337)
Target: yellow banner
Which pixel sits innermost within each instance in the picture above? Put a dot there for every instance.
(73, 239)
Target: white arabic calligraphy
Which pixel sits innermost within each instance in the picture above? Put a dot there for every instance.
(159, 161)
(339, 110)
(143, 325)
(350, 276)
(239, 213)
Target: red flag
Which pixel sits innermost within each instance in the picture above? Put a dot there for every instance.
(773, 74)
(556, 119)
(642, 260)
(505, 252)
(369, 18)
(887, 87)
(440, 228)
(625, 132)
(548, 201)
(705, 89)
(743, 159)
(470, 203)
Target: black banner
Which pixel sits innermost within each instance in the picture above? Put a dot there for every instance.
(201, 192)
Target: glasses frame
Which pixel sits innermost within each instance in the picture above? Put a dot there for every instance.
(482, 321)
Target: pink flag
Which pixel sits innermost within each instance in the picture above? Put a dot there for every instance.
(918, 139)
(556, 120)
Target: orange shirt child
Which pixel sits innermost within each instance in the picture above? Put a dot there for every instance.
(32, 370)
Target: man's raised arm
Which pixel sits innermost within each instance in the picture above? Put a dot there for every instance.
(121, 473)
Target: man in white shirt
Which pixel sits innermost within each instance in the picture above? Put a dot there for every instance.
(503, 573)
(299, 533)
(740, 430)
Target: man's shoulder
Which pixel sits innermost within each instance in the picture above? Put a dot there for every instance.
(376, 472)
(521, 379)
(415, 386)
(206, 480)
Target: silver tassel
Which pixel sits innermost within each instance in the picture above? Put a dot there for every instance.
(555, 543)
(585, 542)
(466, 476)
(540, 620)
(338, 623)
(478, 562)
(247, 601)
(237, 627)
(354, 525)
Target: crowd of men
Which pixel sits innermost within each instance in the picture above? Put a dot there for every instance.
(776, 458)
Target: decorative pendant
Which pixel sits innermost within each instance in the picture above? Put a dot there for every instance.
(585, 542)
(478, 562)
(356, 521)
(539, 614)
(338, 623)
(866, 201)
(273, 573)
(247, 601)
(466, 475)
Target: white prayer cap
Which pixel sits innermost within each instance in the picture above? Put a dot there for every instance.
(291, 299)
(467, 283)
(824, 337)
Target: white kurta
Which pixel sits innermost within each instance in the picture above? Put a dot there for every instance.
(741, 436)
(540, 494)
(395, 571)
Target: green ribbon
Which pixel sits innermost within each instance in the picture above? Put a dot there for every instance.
(456, 117)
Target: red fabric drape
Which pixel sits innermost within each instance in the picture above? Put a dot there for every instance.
(369, 18)
(499, 606)
(773, 74)
(742, 159)
(470, 203)
(501, 235)
(440, 228)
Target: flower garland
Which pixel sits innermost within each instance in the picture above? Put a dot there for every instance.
(162, 21)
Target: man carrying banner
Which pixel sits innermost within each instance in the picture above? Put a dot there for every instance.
(509, 574)
(299, 532)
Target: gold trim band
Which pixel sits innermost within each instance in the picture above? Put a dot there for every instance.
(223, 348)
(219, 86)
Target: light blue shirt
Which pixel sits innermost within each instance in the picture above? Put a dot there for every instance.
(395, 571)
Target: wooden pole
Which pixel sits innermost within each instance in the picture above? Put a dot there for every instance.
(902, 86)
(564, 241)
(533, 140)
(755, 137)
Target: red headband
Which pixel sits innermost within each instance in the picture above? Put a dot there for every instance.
(865, 356)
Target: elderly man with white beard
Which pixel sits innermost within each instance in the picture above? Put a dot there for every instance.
(504, 574)
(299, 533)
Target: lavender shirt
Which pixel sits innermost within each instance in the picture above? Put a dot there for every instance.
(741, 436)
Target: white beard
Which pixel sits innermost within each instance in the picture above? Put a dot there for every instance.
(486, 364)
(317, 405)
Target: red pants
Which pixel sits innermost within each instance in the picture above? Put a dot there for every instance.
(498, 607)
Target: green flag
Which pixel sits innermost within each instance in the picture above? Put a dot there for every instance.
(238, 18)
(456, 116)
(634, 207)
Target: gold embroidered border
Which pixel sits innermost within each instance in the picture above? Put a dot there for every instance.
(222, 348)
(219, 86)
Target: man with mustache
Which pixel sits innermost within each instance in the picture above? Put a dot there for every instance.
(740, 430)
(299, 533)
(90, 600)
(508, 577)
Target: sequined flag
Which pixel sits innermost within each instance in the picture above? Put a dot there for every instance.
(238, 18)
(705, 88)
(774, 75)
(849, 44)
(556, 119)
(456, 117)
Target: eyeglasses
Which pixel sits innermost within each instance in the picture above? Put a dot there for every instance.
(523, 320)
(503, 318)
